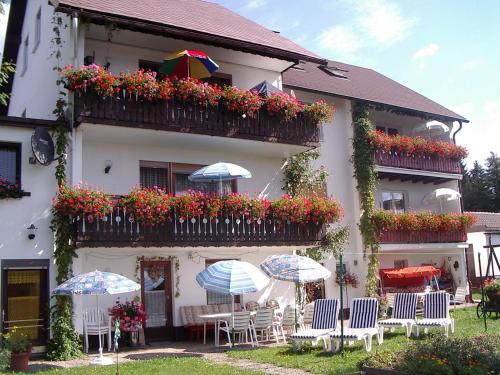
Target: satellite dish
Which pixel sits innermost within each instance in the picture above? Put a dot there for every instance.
(42, 146)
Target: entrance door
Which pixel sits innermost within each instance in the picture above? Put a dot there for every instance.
(156, 290)
(25, 302)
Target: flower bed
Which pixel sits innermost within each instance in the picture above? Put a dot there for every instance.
(145, 86)
(8, 190)
(154, 206)
(415, 146)
(421, 221)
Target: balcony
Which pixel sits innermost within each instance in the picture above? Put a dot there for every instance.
(183, 118)
(118, 229)
(433, 164)
(413, 237)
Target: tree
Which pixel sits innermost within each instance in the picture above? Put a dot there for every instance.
(493, 181)
(476, 193)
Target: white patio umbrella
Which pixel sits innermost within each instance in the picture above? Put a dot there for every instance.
(232, 277)
(432, 128)
(441, 195)
(219, 172)
(97, 283)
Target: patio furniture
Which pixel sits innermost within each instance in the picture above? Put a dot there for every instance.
(404, 313)
(324, 322)
(307, 318)
(436, 313)
(194, 324)
(459, 297)
(252, 306)
(238, 324)
(265, 325)
(96, 322)
(362, 324)
(286, 322)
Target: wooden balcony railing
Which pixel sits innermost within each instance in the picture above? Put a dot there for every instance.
(118, 229)
(179, 117)
(423, 163)
(401, 237)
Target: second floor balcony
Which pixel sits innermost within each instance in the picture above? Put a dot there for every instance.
(425, 163)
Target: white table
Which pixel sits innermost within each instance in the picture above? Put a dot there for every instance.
(217, 318)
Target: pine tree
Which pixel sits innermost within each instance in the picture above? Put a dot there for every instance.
(476, 191)
(493, 181)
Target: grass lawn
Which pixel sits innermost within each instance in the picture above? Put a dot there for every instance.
(315, 361)
(177, 366)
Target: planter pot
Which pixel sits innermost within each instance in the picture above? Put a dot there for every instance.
(133, 339)
(381, 371)
(494, 296)
(19, 361)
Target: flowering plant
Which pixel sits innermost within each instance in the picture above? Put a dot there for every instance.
(189, 205)
(319, 112)
(415, 146)
(16, 342)
(243, 101)
(283, 105)
(190, 90)
(150, 205)
(349, 279)
(140, 83)
(236, 205)
(491, 285)
(165, 89)
(258, 208)
(82, 199)
(131, 315)
(421, 221)
(93, 77)
(293, 209)
(9, 190)
(324, 210)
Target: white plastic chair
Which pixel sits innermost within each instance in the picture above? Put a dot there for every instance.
(459, 297)
(287, 321)
(264, 325)
(307, 319)
(242, 326)
(92, 320)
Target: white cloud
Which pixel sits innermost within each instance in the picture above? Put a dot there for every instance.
(424, 53)
(383, 21)
(253, 4)
(374, 23)
(340, 40)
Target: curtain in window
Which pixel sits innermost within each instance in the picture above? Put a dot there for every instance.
(8, 158)
(183, 185)
(154, 177)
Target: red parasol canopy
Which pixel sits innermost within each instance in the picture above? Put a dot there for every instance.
(410, 272)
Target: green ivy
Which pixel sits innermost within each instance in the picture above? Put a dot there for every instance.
(65, 342)
(366, 178)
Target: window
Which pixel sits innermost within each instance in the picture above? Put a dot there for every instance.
(25, 54)
(218, 298)
(403, 263)
(393, 201)
(173, 177)
(38, 28)
(389, 131)
(10, 162)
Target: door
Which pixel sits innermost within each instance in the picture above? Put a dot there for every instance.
(156, 290)
(25, 302)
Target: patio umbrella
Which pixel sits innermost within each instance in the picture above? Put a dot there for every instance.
(219, 172)
(432, 128)
(441, 195)
(97, 283)
(296, 268)
(232, 277)
(188, 63)
(265, 88)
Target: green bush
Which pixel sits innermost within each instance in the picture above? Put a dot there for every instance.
(380, 359)
(4, 360)
(428, 367)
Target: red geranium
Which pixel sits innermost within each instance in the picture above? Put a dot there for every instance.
(82, 199)
(190, 90)
(243, 101)
(131, 315)
(9, 190)
(324, 210)
(90, 78)
(319, 112)
(189, 205)
(149, 205)
(140, 84)
(283, 105)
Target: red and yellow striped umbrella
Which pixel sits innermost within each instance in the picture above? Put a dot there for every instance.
(188, 63)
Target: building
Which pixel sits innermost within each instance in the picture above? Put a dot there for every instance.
(136, 143)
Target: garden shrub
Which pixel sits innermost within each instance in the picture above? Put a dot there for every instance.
(4, 360)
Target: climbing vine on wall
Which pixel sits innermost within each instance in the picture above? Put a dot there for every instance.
(171, 258)
(65, 343)
(366, 178)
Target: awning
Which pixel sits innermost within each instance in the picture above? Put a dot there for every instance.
(410, 272)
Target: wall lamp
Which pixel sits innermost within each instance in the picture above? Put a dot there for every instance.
(107, 166)
(31, 231)
(456, 265)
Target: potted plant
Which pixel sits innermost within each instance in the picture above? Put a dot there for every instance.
(492, 289)
(20, 347)
(131, 316)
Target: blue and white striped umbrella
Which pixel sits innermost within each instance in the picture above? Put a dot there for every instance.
(294, 268)
(96, 283)
(232, 277)
(220, 171)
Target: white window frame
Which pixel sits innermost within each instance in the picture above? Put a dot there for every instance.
(38, 28)
(392, 192)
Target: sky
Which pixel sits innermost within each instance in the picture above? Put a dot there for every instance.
(447, 50)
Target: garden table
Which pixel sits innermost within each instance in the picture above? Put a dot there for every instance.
(216, 318)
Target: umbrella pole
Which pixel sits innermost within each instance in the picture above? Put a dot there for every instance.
(296, 298)
(99, 326)
(232, 323)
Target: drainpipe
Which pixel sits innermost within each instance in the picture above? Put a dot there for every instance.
(71, 109)
(455, 133)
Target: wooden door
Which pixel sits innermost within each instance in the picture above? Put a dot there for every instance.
(156, 291)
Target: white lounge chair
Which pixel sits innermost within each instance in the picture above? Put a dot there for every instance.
(459, 297)
(436, 313)
(96, 323)
(242, 327)
(404, 314)
(264, 324)
(307, 318)
(324, 322)
(362, 324)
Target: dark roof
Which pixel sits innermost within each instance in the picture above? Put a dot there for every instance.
(486, 221)
(354, 82)
(193, 20)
